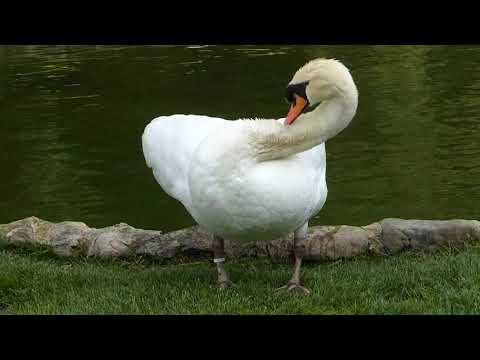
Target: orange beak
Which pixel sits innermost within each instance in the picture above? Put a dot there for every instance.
(298, 106)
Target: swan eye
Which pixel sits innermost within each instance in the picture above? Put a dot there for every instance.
(297, 89)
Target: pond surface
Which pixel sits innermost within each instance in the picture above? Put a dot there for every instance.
(71, 120)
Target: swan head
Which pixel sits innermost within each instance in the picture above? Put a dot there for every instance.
(317, 81)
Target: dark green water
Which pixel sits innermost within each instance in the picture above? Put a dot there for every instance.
(71, 119)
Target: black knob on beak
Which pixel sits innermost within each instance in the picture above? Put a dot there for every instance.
(297, 89)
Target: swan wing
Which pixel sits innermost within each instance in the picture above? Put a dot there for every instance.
(169, 143)
(316, 157)
(316, 160)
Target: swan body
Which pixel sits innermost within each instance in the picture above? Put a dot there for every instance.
(213, 172)
(251, 180)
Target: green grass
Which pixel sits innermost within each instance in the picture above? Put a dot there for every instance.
(36, 282)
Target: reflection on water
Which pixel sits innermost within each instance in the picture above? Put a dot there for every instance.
(72, 117)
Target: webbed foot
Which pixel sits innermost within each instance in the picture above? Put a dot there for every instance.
(227, 285)
(294, 288)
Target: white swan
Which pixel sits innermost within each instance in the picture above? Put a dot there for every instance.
(251, 180)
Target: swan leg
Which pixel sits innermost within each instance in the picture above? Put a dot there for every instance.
(294, 285)
(219, 259)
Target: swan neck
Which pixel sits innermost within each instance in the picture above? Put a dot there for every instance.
(309, 130)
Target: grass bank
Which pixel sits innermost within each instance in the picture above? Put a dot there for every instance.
(36, 282)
